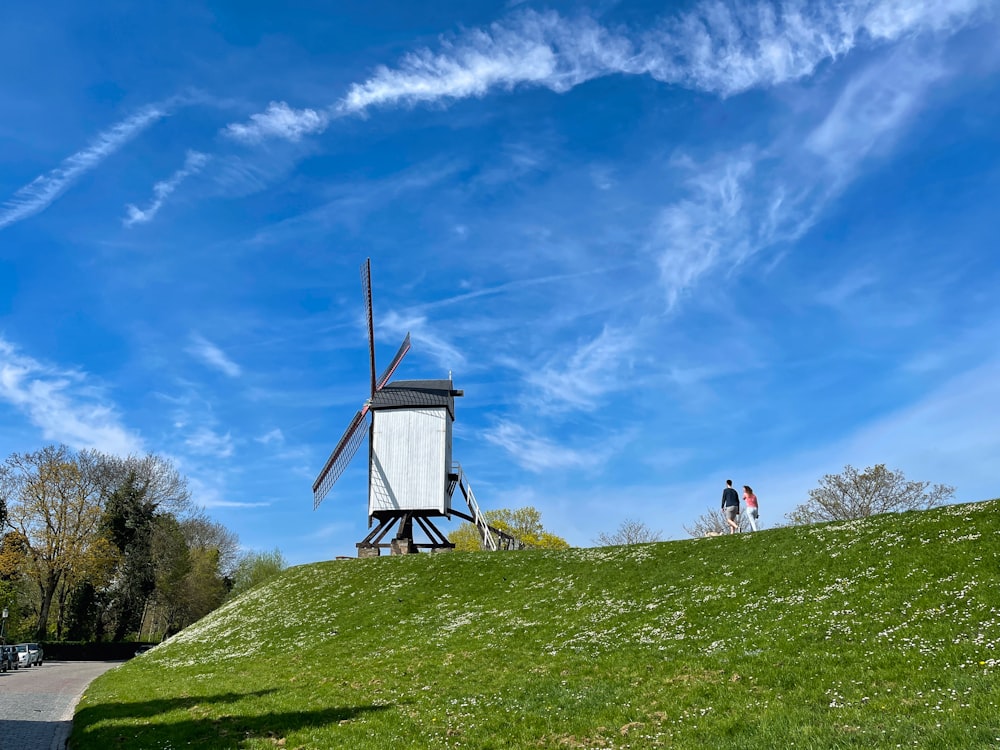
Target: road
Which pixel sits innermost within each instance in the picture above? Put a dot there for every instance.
(36, 704)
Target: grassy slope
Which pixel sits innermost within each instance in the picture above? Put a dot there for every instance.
(874, 633)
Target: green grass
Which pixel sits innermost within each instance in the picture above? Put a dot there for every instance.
(880, 633)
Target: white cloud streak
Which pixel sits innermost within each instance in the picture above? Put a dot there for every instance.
(719, 48)
(753, 199)
(213, 356)
(715, 47)
(207, 442)
(539, 454)
(62, 405)
(278, 121)
(193, 163)
(872, 108)
(430, 344)
(706, 229)
(274, 436)
(37, 195)
(579, 380)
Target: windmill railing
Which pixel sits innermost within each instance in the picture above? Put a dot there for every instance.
(492, 537)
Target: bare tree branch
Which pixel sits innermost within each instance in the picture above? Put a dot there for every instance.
(858, 494)
(630, 531)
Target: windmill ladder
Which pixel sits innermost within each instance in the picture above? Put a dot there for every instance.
(492, 538)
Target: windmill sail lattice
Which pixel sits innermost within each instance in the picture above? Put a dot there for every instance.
(384, 378)
(360, 425)
(366, 283)
(341, 456)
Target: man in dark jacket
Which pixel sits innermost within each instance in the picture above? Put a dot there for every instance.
(731, 507)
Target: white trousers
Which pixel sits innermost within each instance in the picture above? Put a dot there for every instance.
(752, 518)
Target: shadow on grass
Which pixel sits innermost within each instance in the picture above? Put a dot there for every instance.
(129, 725)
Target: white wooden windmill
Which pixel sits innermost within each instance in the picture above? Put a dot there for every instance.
(411, 476)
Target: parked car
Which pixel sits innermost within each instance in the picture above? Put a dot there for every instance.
(28, 654)
(8, 658)
(39, 654)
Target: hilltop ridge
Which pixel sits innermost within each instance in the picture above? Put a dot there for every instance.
(871, 633)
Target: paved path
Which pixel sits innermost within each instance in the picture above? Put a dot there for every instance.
(36, 704)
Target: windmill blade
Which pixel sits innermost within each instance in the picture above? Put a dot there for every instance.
(366, 284)
(384, 378)
(340, 457)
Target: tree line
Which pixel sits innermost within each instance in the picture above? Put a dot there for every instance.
(96, 547)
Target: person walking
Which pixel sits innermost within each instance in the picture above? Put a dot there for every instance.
(751, 501)
(731, 507)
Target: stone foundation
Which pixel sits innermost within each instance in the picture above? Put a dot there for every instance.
(403, 547)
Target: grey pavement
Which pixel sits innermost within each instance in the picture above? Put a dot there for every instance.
(36, 704)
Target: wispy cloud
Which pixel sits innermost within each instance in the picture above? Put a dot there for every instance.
(207, 442)
(706, 229)
(62, 404)
(739, 204)
(208, 491)
(873, 109)
(213, 356)
(274, 436)
(352, 200)
(278, 121)
(44, 189)
(193, 163)
(511, 286)
(594, 368)
(538, 454)
(714, 47)
(425, 338)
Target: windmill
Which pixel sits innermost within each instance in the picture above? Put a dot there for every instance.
(411, 477)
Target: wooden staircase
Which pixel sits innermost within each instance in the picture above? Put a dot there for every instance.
(491, 537)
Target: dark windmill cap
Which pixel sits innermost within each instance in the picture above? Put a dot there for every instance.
(410, 394)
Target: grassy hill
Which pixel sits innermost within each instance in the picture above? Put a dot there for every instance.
(879, 633)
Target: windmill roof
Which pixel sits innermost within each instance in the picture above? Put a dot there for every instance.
(408, 394)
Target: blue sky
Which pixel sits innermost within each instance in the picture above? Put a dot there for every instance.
(658, 246)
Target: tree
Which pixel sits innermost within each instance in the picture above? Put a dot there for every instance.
(53, 501)
(203, 588)
(129, 521)
(630, 531)
(200, 532)
(13, 551)
(711, 523)
(858, 494)
(254, 568)
(163, 488)
(522, 523)
(171, 563)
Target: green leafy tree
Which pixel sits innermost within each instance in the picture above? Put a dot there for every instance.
(172, 564)
(203, 588)
(53, 502)
(13, 550)
(858, 494)
(630, 531)
(201, 532)
(195, 559)
(129, 521)
(254, 568)
(524, 524)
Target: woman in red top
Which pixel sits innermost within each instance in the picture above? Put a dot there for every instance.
(751, 500)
